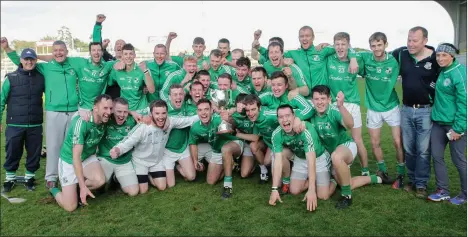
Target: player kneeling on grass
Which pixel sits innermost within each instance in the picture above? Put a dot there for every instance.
(148, 142)
(311, 160)
(177, 149)
(121, 168)
(331, 123)
(215, 148)
(77, 162)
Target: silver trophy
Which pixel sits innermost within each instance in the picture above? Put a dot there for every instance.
(221, 99)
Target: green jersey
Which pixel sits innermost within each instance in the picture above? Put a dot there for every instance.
(303, 108)
(214, 74)
(92, 79)
(131, 86)
(174, 78)
(313, 63)
(180, 60)
(178, 138)
(113, 135)
(381, 77)
(296, 72)
(190, 107)
(265, 124)
(244, 86)
(265, 90)
(242, 123)
(450, 97)
(83, 133)
(201, 133)
(299, 144)
(159, 74)
(330, 128)
(339, 79)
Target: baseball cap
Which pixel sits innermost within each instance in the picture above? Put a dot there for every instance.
(28, 53)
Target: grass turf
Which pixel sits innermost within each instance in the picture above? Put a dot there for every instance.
(197, 209)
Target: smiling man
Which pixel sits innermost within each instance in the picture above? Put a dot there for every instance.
(78, 163)
(148, 142)
(22, 94)
(181, 77)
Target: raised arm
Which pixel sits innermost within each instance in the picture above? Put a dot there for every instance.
(12, 55)
(345, 115)
(97, 30)
(170, 37)
(148, 79)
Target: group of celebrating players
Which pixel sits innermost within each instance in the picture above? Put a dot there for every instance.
(111, 120)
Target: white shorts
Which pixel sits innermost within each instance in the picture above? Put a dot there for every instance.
(355, 111)
(247, 151)
(170, 158)
(142, 169)
(67, 172)
(375, 119)
(300, 169)
(205, 151)
(125, 173)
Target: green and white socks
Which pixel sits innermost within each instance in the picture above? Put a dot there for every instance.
(11, 175)
(228, 181)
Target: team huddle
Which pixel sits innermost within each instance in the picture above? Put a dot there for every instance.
(109, 119)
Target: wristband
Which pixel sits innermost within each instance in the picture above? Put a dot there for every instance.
(274, 189)
(146, 71)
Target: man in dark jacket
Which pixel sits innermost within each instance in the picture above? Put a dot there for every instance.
(22, 94)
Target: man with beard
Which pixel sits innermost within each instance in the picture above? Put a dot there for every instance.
(279, 96)
(181, 77)
(160, 69)
(203, 77)
(313, 62)
(295, 76)
(78, 163)
(198, 47)
(121, 168)
(260, 80)
(61, 101)
(113, 90)
(148, 142)
(131, 81)
(216, 66)
(177, 145)
(339, 79)
(215, 148)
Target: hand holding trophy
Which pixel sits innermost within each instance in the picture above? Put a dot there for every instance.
(221, 98)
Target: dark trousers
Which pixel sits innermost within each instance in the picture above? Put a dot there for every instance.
(16, 139)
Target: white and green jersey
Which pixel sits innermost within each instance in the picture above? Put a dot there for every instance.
(330, 128)
(381, 77)
(303, 108)
(214, 74)
(299, 144)
(339, 79)
(206, 133)
(178, 138)
(265, 124)
(174, 78)
(131, 85)
(113, 135)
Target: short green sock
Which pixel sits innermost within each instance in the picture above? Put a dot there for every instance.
(382, 166)
(333, 181)
(364, 169)
(10, 176)
(401, 169)
(228, 181)
(54, 191)
(346, 190)
(373, 179)
(29, 175)
(286, 180)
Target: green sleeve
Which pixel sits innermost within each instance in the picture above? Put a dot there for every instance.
(80, 128)
(171, 79)
(178, 60)
(287, 54)
(13, 56)
(308, 141)
(298, 76)
(77, 63)
(97, 32)
(277, 141)
(336, 117)
(303, 108)
(459, 126)
(4, 96)
(262, 59)
(111, 78)
(327, 51)
(360, 57)
(351, 53)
